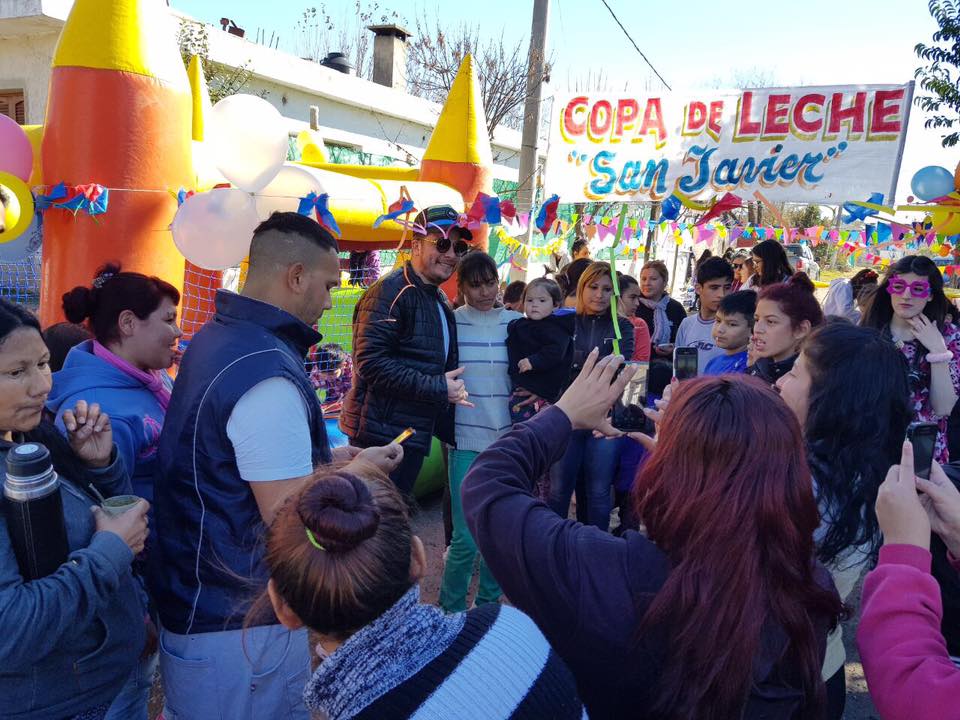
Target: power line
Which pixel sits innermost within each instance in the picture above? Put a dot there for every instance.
(635, 45)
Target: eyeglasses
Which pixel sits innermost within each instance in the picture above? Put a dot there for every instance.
(918, 289)
(460, 248)
(737, 266)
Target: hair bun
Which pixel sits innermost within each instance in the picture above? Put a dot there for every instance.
(78, 304)
(802, 280)
(339, 510)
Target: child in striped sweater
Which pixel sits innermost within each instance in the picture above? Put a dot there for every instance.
(343, 562)
(482, 348)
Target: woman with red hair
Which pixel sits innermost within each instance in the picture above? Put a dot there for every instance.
(721, 610)
(786, 313)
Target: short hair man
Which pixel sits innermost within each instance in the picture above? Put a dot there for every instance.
(243, 430)
(405, 349)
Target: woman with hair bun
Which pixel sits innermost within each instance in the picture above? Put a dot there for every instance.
(345, 563)
(786, 313)
(133, 320)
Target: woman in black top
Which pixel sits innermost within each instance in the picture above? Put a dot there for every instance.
(786, 313)
(588, 462)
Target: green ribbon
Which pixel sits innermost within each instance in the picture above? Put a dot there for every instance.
(616, 283)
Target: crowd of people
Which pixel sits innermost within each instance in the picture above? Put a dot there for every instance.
(698, 569)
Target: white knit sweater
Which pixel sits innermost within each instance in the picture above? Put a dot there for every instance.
(482, 345)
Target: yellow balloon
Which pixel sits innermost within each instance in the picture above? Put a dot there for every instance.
(18, 215)
(35, 135)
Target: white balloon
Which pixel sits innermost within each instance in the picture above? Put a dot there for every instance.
(285, 190)
(205, 170)
(213, 229)
(248, 139)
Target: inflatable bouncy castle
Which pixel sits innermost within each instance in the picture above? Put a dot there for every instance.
(134, 165)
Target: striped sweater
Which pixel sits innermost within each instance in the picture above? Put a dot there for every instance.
(414, 661)
(482, 347)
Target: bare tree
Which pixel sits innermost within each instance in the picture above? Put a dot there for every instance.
(222, 80)
(435, 54)
(318, 33)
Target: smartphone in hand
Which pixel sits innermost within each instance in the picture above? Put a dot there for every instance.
(923, 437)
(628, 414)
(685, 361)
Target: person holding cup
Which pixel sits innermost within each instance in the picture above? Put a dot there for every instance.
(68, 641)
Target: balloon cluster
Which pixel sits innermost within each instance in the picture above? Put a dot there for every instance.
(19, 223)
(247, 141)
(937, 184)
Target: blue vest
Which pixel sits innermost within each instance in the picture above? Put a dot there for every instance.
(207, 563)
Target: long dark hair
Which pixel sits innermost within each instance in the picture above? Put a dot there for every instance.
(112, 292)
(859, 409)
(68, 465)
(776, 265)
(879, 311)
(736, 571)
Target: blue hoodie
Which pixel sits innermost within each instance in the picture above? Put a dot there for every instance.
(135, 413)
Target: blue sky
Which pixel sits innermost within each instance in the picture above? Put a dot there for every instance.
(693, 43)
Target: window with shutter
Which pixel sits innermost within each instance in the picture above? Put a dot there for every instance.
(12, 105)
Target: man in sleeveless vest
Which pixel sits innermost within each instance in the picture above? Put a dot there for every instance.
(243, 430)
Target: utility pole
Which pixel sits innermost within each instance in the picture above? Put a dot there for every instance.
(536, 71)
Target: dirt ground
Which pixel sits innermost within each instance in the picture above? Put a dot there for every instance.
(429, 526)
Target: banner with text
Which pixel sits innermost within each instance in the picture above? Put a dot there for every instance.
(813, 144)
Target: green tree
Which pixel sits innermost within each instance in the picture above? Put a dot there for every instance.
(804, 216)
(939, 77)
(222, 81)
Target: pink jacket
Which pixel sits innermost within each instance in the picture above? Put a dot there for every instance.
(904, 655)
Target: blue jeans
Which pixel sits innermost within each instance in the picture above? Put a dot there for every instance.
(235, 675)
(131, 703)
(593, 463)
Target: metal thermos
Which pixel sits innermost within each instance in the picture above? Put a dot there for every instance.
(34, 511)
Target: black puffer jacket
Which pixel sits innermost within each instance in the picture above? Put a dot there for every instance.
(399, 364)
(596, 331)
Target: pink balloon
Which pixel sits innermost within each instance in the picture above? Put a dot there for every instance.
(16, 153)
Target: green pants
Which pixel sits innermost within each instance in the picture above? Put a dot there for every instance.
(463, 550)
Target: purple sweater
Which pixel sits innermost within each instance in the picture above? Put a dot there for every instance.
(586, 589)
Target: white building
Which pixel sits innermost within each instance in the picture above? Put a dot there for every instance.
(355, 113)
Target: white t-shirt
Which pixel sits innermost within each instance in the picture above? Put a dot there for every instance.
(698, 333)
(270, 432)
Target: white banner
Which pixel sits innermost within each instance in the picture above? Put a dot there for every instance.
(813, 144)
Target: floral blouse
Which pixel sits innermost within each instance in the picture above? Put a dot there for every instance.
(919, 379)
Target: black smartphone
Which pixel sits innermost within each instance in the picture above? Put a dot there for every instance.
(685, 363)
(627, 412)
(923, 437)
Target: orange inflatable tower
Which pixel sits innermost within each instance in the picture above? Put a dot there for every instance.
(119, 114)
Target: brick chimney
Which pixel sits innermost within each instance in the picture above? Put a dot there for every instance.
(390, 55)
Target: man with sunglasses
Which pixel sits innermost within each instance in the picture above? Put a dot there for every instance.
(405, 349)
